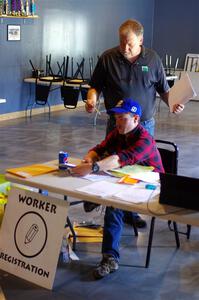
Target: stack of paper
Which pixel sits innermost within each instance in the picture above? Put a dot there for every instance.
(130, 170)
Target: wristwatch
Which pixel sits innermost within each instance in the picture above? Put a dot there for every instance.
(95, 167)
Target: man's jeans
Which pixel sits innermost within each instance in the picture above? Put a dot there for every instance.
(149, 125)
(113, 224)
(113, 219)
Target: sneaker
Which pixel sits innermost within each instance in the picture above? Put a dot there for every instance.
(139, 222)
(89, 206)
(107, 265)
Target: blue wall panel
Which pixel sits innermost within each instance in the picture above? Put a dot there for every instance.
(176, 28)
(66, 27)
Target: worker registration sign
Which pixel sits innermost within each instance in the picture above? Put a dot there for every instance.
(31, 236)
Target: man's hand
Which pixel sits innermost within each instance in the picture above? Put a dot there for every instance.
(90, 106)
(92, 97)
(178, 108)
(82, 169)
(90, 157)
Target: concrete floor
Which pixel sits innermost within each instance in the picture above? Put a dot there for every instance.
(172, 273)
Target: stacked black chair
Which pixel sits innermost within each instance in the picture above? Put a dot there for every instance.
(70, 96)
(41, 95)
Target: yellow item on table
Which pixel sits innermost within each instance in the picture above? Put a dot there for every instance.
(32, 170)
(131, 170)
(128, 180)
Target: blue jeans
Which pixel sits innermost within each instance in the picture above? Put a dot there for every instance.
(149, 125)
(113, 219)
(113, 224)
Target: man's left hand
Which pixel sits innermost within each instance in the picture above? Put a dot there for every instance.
(178, 108)
(82, 169)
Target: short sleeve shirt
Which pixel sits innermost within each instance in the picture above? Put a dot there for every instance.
(117, 78)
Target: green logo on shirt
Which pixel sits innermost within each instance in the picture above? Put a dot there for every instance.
(145, 69)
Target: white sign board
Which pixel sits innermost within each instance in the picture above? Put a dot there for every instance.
(31, 235)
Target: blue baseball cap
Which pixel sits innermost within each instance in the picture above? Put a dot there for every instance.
(126, 106)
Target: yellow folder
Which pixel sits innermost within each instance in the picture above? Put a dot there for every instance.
(130, 170)
(32, 170)
(88, 235)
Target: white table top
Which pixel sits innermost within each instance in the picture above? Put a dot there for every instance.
(58, 182)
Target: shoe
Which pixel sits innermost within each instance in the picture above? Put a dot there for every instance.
(139, 222)
(89, 206)
(108, 265)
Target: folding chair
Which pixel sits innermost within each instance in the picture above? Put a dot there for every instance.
(41, 95)
(70, 96)
(169, 154)
(63, 68)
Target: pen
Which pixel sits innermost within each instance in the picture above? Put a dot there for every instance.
(97, 111)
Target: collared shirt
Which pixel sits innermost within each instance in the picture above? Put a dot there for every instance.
(135, 147)
(117, 78)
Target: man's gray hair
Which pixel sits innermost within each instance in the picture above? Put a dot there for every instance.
(131, 25)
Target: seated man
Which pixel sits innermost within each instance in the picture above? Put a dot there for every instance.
(129, 143)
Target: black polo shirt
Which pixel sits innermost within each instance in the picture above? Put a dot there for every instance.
(117, 78)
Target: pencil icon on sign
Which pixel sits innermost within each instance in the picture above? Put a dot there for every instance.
(31, 233)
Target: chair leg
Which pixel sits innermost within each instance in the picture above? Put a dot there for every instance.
(134, 226)
(73, 233)
(150, 242)
(48, 109)
(188, 231)
(159, 105)
(31, 111)
(176, 234)
(33, 105)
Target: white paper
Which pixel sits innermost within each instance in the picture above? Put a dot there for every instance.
(96, 177)
(181, 92)
(149, 177)
(102, 188)
(136, 195)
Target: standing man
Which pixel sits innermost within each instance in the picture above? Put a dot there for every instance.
(130, 71)
(128, 144)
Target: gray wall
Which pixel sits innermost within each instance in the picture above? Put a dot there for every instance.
(66, 27)
(176, 28)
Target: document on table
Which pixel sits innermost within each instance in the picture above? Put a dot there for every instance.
(131, 170)
(97, 177)
(181, 92)
(136, 194)
(150, 177)
(102, 188)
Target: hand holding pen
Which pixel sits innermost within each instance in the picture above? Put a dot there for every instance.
(91, 107)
